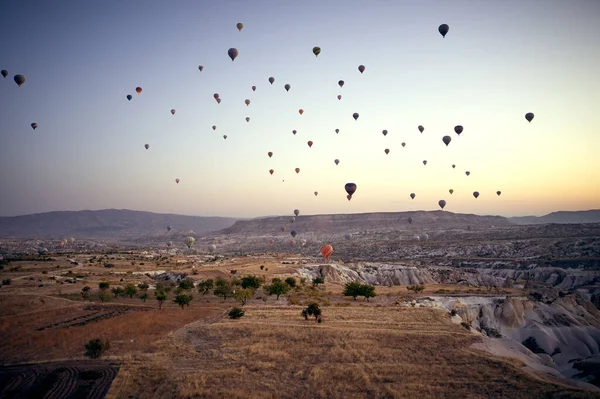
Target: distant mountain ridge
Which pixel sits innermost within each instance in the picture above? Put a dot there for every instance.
(106, 223)
(590, 216)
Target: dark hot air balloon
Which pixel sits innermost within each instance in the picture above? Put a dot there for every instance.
(253, 88)
(361, 68)
(297, 170)
(177, 181)
(146, 146)
(296, 212)
(337, 161)
(270, 154)
(201, 68)
(529, 116)
(34, 125)
(337, 131)
(233, 53)
(476, 194)
(446, 140)
(451, 191)
(498, 192)
(240, 26)
(19, 80)
(421, 129)
(4, 73)
(310, 143)
(350, 188)
(458, 129)
(300, 111)
(287, 87)
(271, 171)
(129, 97)
(294, 132)
(316, 51)
(412, 195)
(339, 97)
(410, 220)
(384, 132)
(387, 151)
(271, 79)
(443, 29)
(467, 173)
(355, 115)
(442, 203)
(138, 90)
(341, 83)
(425, 163)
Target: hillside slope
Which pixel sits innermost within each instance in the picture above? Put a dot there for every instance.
(106, 223)
(591, 216)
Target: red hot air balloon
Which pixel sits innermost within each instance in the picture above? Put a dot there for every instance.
(270, 154)
(387, 151)
(177, 181)
(310, 143)
(253, 88)
(326, 251)
(301, 111)
(271, 171)
(297, 170)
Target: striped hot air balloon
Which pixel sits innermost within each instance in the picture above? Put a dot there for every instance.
(326, 251)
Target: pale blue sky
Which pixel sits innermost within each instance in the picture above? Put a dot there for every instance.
(499, 61)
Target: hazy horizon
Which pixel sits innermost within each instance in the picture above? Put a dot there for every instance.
(498, 61)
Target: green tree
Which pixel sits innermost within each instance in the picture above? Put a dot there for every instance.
(186, 284)
(205, 286)
(251, 282)
(223, 290)
(243, 295)
(104, 296)
(143, 295)
(368, 291)
(353, 289)
(143, 286)
(96, 348)
(161, 297)
(117, 291)
(313, 310)
(278, 288)
(130, 290)
(291, 282)
(104, 285)
(183, 300)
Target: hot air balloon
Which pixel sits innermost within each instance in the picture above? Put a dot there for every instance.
(424, 237)
(293, 233)
(138, 90)
(189, 241)
(292, 220)
(384, 132)
(350, 188)
(326, 251)
(4, 73)
(310, 143)
(169, 228)
(147, 146)
(453, 166)
(424, 162)
(287, 87)
(316, 51)
(410, 220)
(292, 242)
(446, 140)
(387, 151)
(467, 173)
(355, 115)
(529, 116)
(316, 193)
(212, 248)
(339, 97)
(476, 194)
(294, 132)
(296, 212)
(271, 171)
(403, 144)
(271, 242)
(442, 203)
(247, 119)
(247, 102)
(341, 83)
(240, 26)
(271, 79)
(303, 242)
(347, 236)
(173, 111)
(361, 68)
(337, 131)
(297, 170)
(443, 29)
(129, 97)
(216, 96)
(283, 228)
(412, 195)
(301, 111)
(458, 129)
(451, 191)
(253, 88)
(498, 192)
(214, 127)
(270, 154)
(421, 129)
(170, 244)
(177, 181)
(34, 125)
(337, 161)
(233, 53)
(224, 137)
(19, 80)
(349, 197)
(201, 68)
(218, 101)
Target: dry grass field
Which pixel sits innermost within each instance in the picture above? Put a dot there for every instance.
(360, 350)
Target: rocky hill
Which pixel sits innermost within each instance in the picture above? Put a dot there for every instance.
(107, 223)
(382, 221)
(591, 216)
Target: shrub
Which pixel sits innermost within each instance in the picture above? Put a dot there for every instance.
(312, 310)
(262, 267)
(355, 289)
(243, 295)
(205, 286)
(277, 288)
(236, 313)
(104, 285)
(161, 296)
(318, 280)
(6, 281)
(143, 286)
(453, 312)
(466, 325)
(107, 265)
(96, 348)
(130, 290)
(223, 289)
